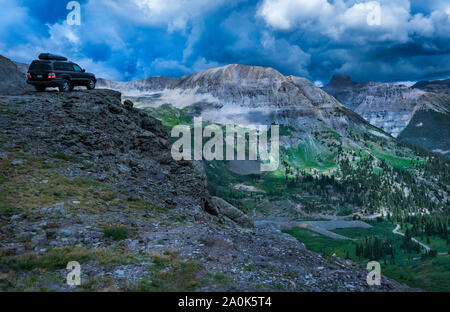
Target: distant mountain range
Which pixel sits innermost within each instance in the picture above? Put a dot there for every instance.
(253, 95)
(245, 95)
(437, 86)
(412, 115)
(319, 133)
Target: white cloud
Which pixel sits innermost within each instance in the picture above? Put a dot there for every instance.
(318, 83)
(286, 14)
(347, 21)
(405, 83)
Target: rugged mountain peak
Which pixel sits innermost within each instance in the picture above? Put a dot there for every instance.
(341, 80)
(247, 96)
(254, 86)
(392, 108)
(234, 74)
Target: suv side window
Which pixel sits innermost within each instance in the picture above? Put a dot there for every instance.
(68, 67)
(77, 68)
(58, 66)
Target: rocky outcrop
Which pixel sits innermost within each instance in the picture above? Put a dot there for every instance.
(112, 137)
(22, 67)
(12, 79)
(232, 212)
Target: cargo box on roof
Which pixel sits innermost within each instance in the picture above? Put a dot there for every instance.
(48, 56)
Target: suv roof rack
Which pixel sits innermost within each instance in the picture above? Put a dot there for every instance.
(48, 56)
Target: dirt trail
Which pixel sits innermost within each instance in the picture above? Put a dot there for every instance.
(321, 227)
(396, 231)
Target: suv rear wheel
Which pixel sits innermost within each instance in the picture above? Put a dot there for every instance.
(91, 84)
(65, 86)
(39, 88)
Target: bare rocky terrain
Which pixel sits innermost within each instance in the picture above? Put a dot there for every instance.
(87, 178)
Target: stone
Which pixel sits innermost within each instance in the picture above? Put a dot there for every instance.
(119, 273)
(15, 218)
(128, 104)
(38, 240)
(228, 210)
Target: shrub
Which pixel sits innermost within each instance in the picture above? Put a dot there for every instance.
(116, 232)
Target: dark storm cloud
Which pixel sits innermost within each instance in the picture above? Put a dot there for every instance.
(313, 38)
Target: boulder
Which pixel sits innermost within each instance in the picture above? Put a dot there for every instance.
(228, 210)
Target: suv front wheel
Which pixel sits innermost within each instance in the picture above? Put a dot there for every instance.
(91, 84)
(65, 86)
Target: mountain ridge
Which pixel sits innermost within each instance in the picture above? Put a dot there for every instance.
(393, 107)
(436, 86)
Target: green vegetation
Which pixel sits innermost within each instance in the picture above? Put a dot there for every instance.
(61, 155)
(325, 173)
(435, 129)
(58, 258)
(401, 259)
(35, 183)
(169, 115)
(324, 245)
(116, 232)
(168, 273)
(430, 274)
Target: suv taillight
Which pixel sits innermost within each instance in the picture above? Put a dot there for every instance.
(29, 76)
(51, 76)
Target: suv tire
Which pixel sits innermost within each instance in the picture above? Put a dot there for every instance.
(91, 84)
(39, 88)
(65, 86)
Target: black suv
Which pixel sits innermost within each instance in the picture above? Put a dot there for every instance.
(56, 71)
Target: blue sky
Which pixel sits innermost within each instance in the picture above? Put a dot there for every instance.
(132, 39)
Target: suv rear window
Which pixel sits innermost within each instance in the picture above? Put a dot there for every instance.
(39, 66)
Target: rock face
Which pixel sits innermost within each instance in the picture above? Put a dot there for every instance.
(12, 79)
(111, 137)
(436, 86)
(22, 67)
(392, 107)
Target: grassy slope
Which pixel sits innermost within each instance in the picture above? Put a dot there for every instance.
(31, 183)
